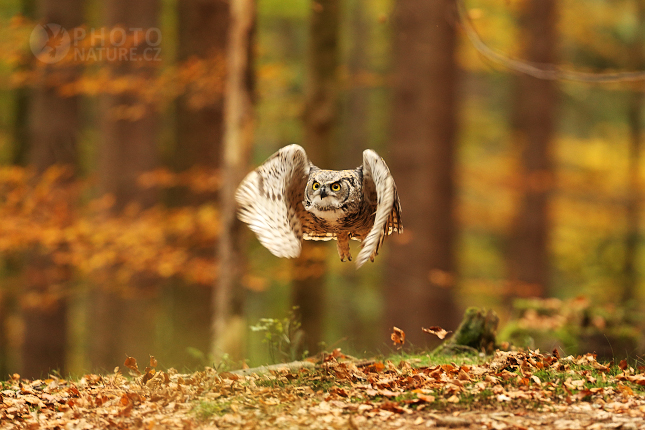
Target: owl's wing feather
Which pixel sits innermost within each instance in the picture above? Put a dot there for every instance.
(270, 200)
(379, 190)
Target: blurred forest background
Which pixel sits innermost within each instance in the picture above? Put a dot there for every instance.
(117, 228)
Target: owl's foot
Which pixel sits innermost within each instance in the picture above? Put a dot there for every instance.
(343, 247)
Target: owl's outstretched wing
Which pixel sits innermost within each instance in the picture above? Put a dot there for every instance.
(379, 191)
(270, 200)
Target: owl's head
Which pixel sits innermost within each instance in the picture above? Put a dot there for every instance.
(328, 189)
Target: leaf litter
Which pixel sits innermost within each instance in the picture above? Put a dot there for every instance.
(511, 390)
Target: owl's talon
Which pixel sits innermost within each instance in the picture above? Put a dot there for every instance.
(343, 247)
(345, 258)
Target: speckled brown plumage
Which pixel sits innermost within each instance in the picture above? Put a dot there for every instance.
(288, 199)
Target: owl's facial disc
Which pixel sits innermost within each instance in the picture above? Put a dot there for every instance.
(329, 189)
(328, 193)
(325, 195)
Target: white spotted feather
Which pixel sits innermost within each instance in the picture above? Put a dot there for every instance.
(263, 199)
(377, 176)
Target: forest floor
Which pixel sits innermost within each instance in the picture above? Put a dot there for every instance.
(509, 390)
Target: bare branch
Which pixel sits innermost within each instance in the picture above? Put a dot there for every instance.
(538, 70)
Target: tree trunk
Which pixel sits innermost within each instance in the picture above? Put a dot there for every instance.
(420, 271)
(23, 95)
(355, 138)
(202, 35)
(4, 340)
(632, 237)
(203, 30)
(129, 145)
(528, 258)
(52, 141)
(228, 323)
(320, 121)
(355, 127)
(633, 207)
(123, 317)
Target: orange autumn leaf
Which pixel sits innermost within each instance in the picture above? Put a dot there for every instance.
(397, 336)
(149, 374)
(437, 331)
(421, 395)
(131, 363)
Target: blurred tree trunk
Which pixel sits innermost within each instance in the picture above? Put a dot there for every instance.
(123, 314)
(228, 322)
(20, 145)
(4, 341)
(203, 29)
(54, 125)
(534, 118)
(354, 139)
(355, 127)
(320, 121)
(22, 100)
(202, 36)
(634, 193)
(420, 271)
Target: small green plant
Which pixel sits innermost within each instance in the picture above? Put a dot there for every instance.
(285, 337)
(200, 356)
(225, 363)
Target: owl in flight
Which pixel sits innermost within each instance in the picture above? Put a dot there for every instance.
(288, 199)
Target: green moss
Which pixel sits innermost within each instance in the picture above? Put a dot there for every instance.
(476, 333)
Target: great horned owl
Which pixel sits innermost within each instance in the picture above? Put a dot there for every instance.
(288, 199)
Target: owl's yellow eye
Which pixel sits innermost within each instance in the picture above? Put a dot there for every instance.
(315, 186)
(335, 186)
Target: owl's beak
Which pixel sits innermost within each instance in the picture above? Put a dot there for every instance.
(323, 193)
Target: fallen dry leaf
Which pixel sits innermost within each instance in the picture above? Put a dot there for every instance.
(397, 336)
(502, 392)
(437, 331)
(426, 398)
(131, 363)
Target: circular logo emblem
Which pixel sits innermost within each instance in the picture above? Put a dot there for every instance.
(49, 42)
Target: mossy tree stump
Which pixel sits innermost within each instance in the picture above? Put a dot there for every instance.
(476, 333)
